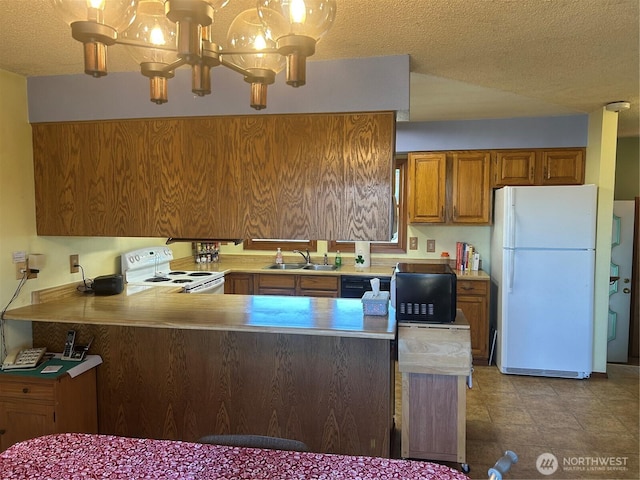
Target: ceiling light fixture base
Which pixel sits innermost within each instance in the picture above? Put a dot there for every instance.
(617, 106)
(85, 31)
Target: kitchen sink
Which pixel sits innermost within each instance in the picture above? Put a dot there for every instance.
(285, 266)
(320, 267)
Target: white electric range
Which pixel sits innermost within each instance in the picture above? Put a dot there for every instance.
(151, 266)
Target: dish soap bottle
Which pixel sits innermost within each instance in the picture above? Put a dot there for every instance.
(278, 256)
(338, 259)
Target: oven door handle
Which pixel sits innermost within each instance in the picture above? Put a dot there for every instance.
(216, 284)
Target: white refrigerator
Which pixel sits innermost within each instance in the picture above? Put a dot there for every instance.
(542, 274)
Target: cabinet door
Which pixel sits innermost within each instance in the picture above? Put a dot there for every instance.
(65, 200)
(471, 188)
(239, 283)
(474, 308)
(515, 168)
(23, 420)
(427, 187)
(433, 417)
(562, 167)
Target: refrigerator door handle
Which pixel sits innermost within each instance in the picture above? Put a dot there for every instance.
(512, 219)
(509, 218)
(510, 270)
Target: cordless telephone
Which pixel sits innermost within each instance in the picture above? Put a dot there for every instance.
(67, 354)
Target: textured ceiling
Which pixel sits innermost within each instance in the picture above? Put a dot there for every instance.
(470, 59)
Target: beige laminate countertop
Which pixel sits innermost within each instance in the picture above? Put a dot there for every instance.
(162, 307)
(255, 264)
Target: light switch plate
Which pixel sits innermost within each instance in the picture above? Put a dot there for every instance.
(20, 256)
(431, 246)
(413, 243)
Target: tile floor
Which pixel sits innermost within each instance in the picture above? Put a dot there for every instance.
(578, 421)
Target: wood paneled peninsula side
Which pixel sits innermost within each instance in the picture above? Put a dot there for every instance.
(180, 366)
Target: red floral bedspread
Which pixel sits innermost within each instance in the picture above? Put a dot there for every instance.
(82, 456)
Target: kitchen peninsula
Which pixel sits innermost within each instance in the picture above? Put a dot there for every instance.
(179, 366)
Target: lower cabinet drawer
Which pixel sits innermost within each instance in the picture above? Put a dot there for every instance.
(318, 282)
(19, 389)
(276, 281)
(472, 287)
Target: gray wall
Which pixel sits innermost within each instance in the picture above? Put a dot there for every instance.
(354, 85)
(565, 131)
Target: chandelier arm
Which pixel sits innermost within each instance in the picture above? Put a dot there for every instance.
(138, 43)
(177, 64)
(235, 67)
(263, 51)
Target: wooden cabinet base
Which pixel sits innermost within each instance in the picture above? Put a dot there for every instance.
(433, 417)
(333, 393)
(435, 360)
(31, 407)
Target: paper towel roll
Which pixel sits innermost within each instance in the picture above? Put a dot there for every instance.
(363, 249)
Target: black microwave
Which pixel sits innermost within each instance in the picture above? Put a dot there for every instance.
(425, 293)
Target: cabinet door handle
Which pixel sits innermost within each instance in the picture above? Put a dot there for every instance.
(25, 390)
(531, 173)
(2, 431)
(466, 288)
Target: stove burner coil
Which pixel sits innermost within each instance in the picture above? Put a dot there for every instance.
(200, 274)
(177, 272)
(157, 279)
(182, 280)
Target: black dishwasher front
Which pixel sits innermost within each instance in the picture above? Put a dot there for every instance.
(354, 286)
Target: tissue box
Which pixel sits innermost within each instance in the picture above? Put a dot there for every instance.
(378, 305)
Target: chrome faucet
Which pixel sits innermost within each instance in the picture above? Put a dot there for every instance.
(307, 257)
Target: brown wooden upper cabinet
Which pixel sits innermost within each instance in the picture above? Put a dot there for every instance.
(560, 166)
(450, 187)
(427, 187)
(313, 176)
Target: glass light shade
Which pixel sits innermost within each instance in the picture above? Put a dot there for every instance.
(217, 4)
(152, 28)
(311, 18)
(247, 33)
(117, 14)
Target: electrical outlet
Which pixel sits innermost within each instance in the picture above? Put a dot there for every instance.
(413, 243)
(21, 267)
(73, 261)
(431, 246)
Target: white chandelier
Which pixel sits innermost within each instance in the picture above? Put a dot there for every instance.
(162, 35)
